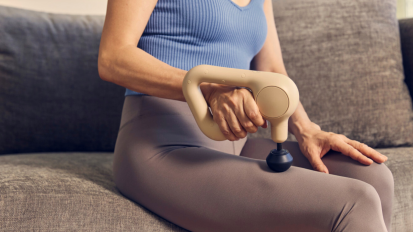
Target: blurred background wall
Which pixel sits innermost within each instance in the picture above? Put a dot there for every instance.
(95, 7)
(98, 7)
(404, 8)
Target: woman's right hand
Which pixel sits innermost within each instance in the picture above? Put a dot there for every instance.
(234, 110)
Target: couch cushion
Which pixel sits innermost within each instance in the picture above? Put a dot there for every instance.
(68, 192)
(400, 163)
(345, 58)
(51, 96)
(75, 191)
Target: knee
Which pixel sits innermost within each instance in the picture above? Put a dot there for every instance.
(368, 202)
(362, 210)
(384, 176)
(365, 193)
(381, 178)
(384, 185)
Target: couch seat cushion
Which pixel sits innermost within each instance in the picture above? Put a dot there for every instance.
(75, 191)
(400, 163)
(68, 192)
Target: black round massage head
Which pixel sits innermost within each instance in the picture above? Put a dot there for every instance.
(279, 160)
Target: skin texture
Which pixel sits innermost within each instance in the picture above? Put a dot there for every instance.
(123, 63)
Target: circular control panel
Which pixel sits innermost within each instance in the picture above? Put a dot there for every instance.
(272, 101)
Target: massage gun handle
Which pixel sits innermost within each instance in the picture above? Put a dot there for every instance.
(280, 99)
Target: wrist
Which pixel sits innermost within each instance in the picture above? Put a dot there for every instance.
(301, 128)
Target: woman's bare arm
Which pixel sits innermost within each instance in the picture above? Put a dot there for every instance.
(270, 59)
(123, 63)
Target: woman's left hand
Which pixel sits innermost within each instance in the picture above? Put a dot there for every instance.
(315, 143)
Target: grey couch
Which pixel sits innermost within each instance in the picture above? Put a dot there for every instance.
(351, 60)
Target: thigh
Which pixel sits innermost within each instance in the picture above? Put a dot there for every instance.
(202, 189)
(337, 163)
(259, 148)
(160, 122)
(377, 175)
(165, 163)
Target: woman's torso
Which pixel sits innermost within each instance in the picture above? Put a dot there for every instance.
(186, 33)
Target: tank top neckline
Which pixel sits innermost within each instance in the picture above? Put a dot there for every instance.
(242, 8)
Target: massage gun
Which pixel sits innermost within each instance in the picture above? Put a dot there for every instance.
(276, 96)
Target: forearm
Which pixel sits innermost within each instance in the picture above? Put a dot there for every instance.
(139, 71)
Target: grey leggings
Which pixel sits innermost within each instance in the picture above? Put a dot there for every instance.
(165, 163)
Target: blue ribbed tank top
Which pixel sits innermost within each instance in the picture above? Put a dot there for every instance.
(187, 33)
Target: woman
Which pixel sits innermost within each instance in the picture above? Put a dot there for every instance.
(165, 163)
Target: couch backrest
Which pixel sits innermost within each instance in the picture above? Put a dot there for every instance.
(51, 96)
(345, 57)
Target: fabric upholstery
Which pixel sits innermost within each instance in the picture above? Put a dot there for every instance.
(345, 58)
(68, 192)
(406, 38)
(400, 163)
(51, 96)
(75, 191)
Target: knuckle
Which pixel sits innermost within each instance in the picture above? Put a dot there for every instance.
(253, 115)
(225, 109)
(250, 127)
(337, 136)
(345, 151)
(352, 151)
(356, 154)
(342, 136)
(253, 129)
(363, 146)
(225, 132)
(232, 102)
(242, 133)
(245, 92)
(332, 134)
(358, 145)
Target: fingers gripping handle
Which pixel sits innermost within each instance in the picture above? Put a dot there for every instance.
(275, 94)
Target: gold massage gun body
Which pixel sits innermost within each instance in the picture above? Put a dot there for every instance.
(276, 95)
